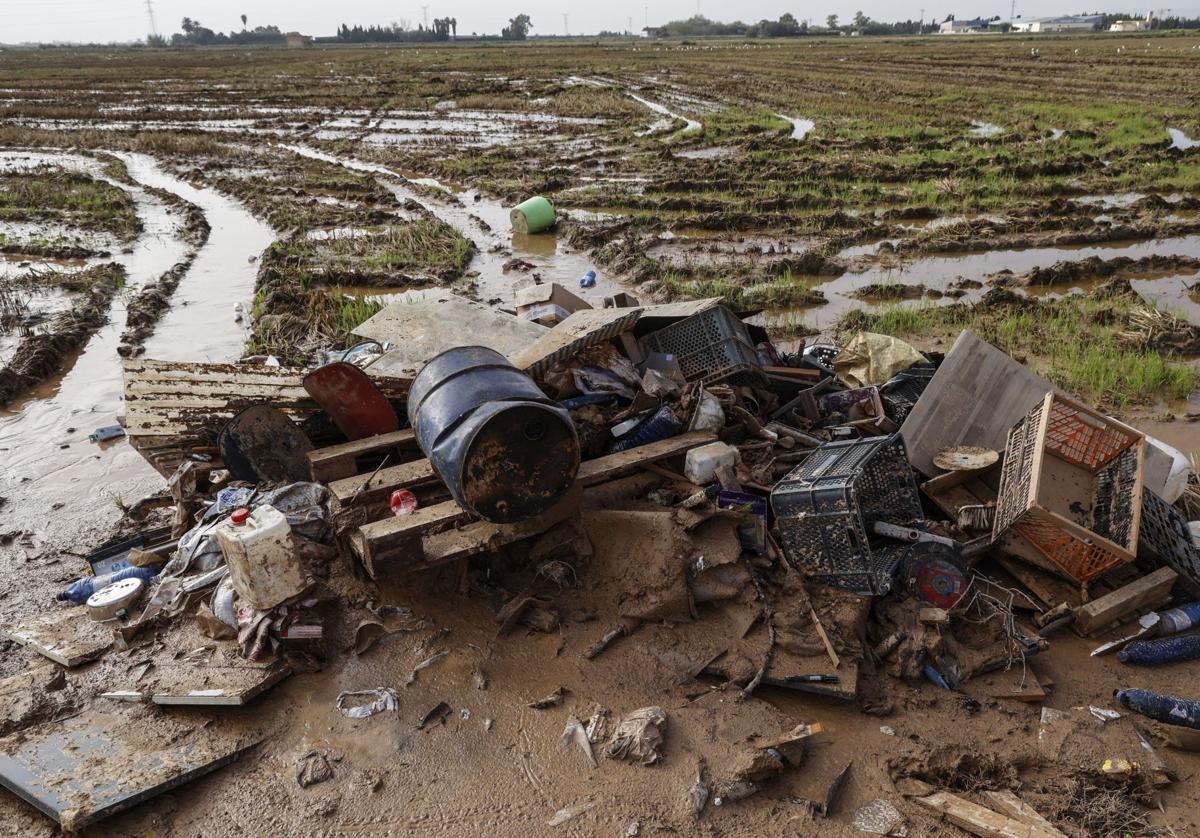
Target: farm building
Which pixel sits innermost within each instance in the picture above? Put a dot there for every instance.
(963, 27)
(1132, 25)
(1070, 23)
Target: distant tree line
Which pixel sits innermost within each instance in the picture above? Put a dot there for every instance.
(443, 29)
(196, 34)
(787, 26)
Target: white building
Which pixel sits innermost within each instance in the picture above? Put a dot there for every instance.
(1070, 23)
(963, 27)
(1132, 25)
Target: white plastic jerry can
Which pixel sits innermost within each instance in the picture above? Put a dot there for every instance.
(263, 566)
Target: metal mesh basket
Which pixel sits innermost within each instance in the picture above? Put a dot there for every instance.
(704, 343)
(1164, 538)
(825, 510)
(1106, 454)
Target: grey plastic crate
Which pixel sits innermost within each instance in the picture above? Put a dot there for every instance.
(704, 343)
(825, 510)
(1164, 538)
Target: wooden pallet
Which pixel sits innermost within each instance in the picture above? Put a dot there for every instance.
(444, 532)
(337, 462)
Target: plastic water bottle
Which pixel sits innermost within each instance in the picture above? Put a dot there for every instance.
(1164, 650)
(1170, 709)
(587, 280)
(79, 590)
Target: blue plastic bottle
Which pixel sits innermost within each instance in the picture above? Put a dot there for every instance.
(79, 590)
(1170, 709)
(587, 280)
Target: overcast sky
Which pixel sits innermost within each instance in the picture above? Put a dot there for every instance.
(126, 20)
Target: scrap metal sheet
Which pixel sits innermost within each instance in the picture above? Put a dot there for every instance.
(88, 767)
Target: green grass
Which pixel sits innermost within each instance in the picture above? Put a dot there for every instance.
(70, 199)
(780, 292)
(392, 255)
(1104, 368)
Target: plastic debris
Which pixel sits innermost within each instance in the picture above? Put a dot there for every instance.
(379, 700)
(1169, 709)
(574, 732)
(106, 433)
(639, 736)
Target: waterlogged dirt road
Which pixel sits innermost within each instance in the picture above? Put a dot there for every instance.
(55, 481)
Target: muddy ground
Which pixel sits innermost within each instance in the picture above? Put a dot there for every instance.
(307, 188)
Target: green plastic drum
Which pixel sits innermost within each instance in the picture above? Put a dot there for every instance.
(532, 216)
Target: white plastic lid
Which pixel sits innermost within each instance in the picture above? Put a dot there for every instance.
(105, 603)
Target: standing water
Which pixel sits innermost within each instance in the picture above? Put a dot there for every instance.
(43, 437)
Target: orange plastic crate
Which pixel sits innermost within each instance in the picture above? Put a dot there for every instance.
(1072, 486)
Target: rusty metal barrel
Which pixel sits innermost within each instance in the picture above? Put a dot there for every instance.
(505, 451)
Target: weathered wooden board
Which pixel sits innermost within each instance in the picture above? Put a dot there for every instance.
(979, 820)
(67, 636)
(366, 489)
(1124, 601)
(1009, 804)
(205, 684)
(390, 536)
(335, 462)
(975, 397)
(423, 328)
(580, 330)
(175, 408)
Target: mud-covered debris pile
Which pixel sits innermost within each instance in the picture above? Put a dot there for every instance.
(658, 483)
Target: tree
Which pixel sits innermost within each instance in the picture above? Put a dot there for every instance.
(831, 22)
(454, 27)
(243, 21)
(517, 29)
(860, 20)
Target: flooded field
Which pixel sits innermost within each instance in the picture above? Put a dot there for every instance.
(207, 205)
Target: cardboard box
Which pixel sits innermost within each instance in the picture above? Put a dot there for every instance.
(548, 304)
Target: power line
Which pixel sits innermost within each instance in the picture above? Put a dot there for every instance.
(565, 31)
(425, 15)
(150, 13)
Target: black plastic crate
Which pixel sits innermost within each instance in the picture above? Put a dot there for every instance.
(826, 508)
(705, 343)
(1164, 538)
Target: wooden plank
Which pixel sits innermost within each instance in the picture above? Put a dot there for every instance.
(979, 820)
(391, 535)
(485, 537)
(612, 466)
(331, 462)
(67, 636)
(174, 409)
(214, 685)
(976, 395)
(582, 329)
(1007, 803)
(371, 488)
(1122, 602)
(400, 544)
(1049, 589)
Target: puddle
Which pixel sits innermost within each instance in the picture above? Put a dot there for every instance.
(938, 272)
(692, 125)
(984, 129)
(199, 326)
(1181, 140)
(800, 127)
(86, 395)
(553, 261)
(714, 153)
